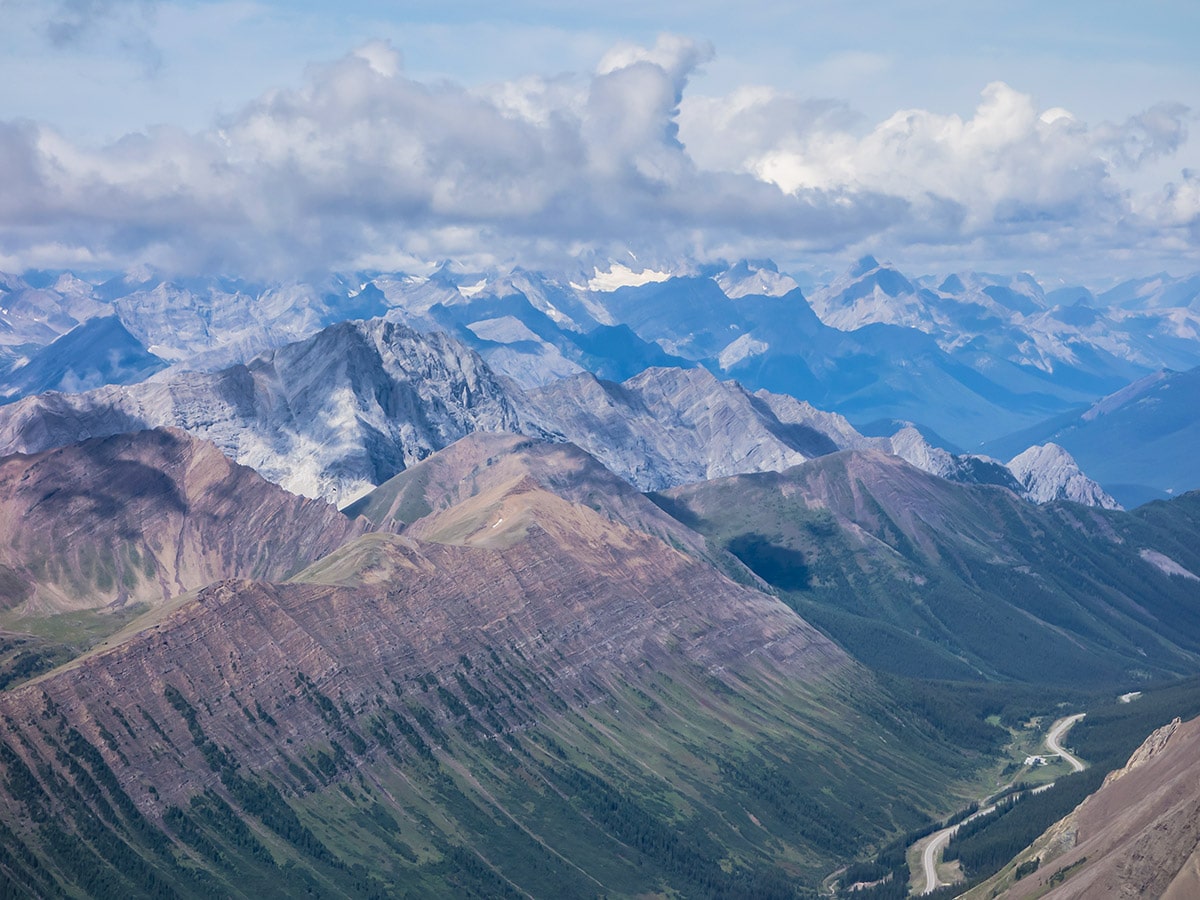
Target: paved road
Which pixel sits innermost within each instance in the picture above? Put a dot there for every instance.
(933, 850)
(929, 858)
(1055, 734)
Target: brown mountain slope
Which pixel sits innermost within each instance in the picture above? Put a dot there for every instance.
(456, 495)
(570, 710)
(1138, 836)
(144, 517)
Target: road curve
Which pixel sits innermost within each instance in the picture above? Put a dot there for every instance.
(929, 858)
(1055, 735)
(937, 843)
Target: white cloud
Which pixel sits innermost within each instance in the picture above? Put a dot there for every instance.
(363, 164)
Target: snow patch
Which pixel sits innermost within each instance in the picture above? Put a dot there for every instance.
(470, 290)
(620, 276)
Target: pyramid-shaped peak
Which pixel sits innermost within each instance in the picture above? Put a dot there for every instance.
(952, 285)
(863, 265)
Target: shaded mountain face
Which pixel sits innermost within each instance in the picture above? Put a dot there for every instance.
(100, 351)
(143, 517)
(552, 705)
(330, 417)
(921, 576)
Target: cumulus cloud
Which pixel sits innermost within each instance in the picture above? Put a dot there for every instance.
(1009, 172)
(362, 164)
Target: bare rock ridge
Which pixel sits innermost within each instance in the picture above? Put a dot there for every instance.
(667, 427)
(328, 417)
(1041, 474)
(910, 445)
(146, 516)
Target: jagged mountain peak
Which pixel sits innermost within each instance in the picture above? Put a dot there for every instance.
(668, 426)
(331, 416)
(755, 278)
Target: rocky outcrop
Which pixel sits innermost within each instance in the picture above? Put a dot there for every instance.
(1048, 472)
(1150, 748)
(910, 445)
(1139, 835)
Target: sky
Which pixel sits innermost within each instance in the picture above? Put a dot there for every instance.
(274, 139)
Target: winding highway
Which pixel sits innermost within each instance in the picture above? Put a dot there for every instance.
(1055, 734)
(939, 840)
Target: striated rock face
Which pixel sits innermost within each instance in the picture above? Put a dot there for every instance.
(329, 417)
(144, 517)
(1048, 472)
(1139, 835)
(667, 427)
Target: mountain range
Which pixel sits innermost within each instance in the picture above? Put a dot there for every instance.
(610, 583)
(518, 694)
(969, 356)
(339, 413)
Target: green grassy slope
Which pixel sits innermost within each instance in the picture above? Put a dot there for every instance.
(921, 577)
